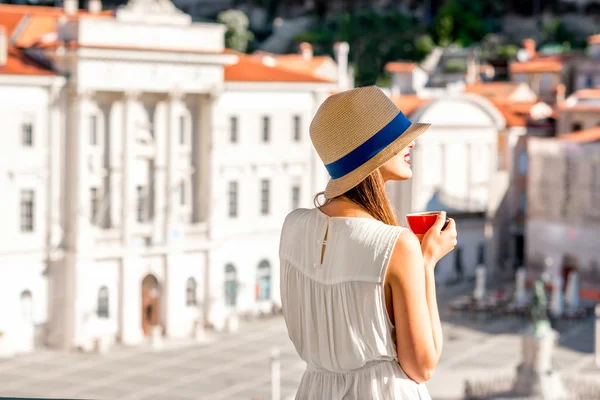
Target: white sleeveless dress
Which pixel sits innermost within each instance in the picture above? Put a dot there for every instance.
(335, 311)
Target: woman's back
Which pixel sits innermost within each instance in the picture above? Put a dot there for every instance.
(334, 306)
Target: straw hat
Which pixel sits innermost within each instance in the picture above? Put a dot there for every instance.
(357, 131)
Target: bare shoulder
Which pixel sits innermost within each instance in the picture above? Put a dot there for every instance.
(406, 258)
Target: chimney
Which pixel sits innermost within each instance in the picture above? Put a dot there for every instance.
(560, 93)
(70, 7)
(3, 46)
(341, 50)
(94, 6)
(529, 46)
(306, 50)
(472, 73)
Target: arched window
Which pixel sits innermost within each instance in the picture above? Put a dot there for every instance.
(263, 281)
(26, 306)
(102, 302)
(190, 292)
(230, 285)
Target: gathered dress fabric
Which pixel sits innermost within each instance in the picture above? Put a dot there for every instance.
(335, 310)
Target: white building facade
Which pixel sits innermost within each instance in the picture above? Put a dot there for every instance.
(151, 199)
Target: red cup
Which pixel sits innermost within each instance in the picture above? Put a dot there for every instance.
(420, 223)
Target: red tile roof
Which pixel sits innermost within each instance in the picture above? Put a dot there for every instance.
(582, 100)
(540, 64)
(17, 63)
(409, 103)
(42, 20)
(38, 32)
(400, 67)
(586, 136)
(297, 63)
(594, 39)
(512, 115)
(253, 69)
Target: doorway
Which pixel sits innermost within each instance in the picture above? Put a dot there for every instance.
(150, 303)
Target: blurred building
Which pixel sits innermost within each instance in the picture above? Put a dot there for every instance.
(526, 116)
(147, 172)
(580, 111)
(587, 70)
(454, 165)
(563, 216)
(543, 73)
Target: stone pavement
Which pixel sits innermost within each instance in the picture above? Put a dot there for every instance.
(236, 366)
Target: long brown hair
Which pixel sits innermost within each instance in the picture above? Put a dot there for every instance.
(370, 195)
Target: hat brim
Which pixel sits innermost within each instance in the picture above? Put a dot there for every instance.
(339, 186)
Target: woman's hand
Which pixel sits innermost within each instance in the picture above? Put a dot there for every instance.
(437, 243)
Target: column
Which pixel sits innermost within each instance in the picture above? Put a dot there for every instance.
(128, 193)
(66, 314)
(202, 156)
(130, 323)
(173, 227)
(55, 165)
(173, 224)
(159, 179)
(204, 188)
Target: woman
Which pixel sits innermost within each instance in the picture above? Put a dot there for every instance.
(358, 291)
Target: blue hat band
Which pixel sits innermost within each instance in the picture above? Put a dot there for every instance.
(369, 149)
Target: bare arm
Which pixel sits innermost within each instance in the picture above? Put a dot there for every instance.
(415, 343)
(431, 255)
(434, 314)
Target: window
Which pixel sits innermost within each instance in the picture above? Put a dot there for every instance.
(233, 129)
(266, 122)
(27, 134)
(297, 128)
(182, 130)
(182, 193)
(26, 306)
(458, 263)
(190, 292)
(233, 199)
(481, 253)
(102, 310)
(576, 127)
(27, 210)
(522, 162)
(295, 197)
(546, 82)
(93, 130)
(263, 281)
(93, 205)
(522, 202)
(589, 81)
(142, 204)
(230, 285)
(264, 196)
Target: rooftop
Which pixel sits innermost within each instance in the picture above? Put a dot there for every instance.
(585, 136)
(400, 67)
(539, 64)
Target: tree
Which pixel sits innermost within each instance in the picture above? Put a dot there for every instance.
(237, 35)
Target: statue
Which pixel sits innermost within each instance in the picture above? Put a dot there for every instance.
(539, 310)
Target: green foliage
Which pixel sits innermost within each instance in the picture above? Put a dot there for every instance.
(237, 35)
(375, 38)
(508, 51)
(465, 22)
